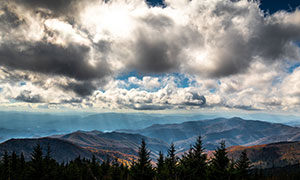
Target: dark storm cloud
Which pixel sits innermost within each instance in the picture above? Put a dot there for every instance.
(27, 96)
(200, 100)
(8, 19)
(44, 57)
(274, 41)
(234, 58)
(51, 59)
(154, 57)
(81, 88)
(55, 60)
(159, 44)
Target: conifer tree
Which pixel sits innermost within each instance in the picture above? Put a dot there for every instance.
(161, 169)
(14, 165)
(160, 162)
(171, 162)
(193, 164)
(37, 165)
(5, 165)
(199, 160)
(142, 169)
(219, 164)
(242, 166)
(22, 161)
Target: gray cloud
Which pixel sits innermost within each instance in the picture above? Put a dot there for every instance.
(56, 8)
(155, 56)
(247, 35)
(27, 96)
(150, 107)
(82, 88)
(196, 100)
(57, 46)
(49, 59)
(8, 19)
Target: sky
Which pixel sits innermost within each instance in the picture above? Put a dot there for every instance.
(153, 56)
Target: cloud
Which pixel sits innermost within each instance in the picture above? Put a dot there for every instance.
(27, 96)
(233, 55)
(147, 82)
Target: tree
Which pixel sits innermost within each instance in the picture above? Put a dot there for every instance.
(6, 174)
(161, 169)
(142, 169)
(242, 166)
(37, 166)
(171, 162)
(220, 164)
(193, 164)
(198, 160)
(14, 165)
(160, 162)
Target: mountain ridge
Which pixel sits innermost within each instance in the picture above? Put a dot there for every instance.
(235, 131)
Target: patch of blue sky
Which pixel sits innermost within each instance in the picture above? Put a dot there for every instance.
(155, 2)
(1, 89)
(138, 75)
(213, 90)
(182, 80)
(23, 83)
(292, 67)
(272, 6)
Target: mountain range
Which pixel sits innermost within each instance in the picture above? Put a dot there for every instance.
(266, 143)
(25, 124)
(235, 131)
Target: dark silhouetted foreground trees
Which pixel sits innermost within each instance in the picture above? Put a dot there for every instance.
(192, 165)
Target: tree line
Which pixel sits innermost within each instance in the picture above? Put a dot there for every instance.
(192, 165)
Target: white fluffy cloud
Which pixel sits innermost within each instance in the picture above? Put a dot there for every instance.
(70, 53)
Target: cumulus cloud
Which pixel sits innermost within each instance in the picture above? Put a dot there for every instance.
(232, 53)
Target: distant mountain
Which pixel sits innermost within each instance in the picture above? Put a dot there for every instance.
(67, 147)
(269, 155)
(235, 131)
(63, 151)
(124, 144)
(114, 141)
(25, 124)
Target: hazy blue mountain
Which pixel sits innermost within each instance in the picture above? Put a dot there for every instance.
(24, 124)
(124, 144)
(235, 131)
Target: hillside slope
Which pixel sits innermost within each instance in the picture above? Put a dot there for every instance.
(269, 155)
(235, 131)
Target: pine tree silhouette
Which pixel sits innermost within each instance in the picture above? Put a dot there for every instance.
(219, 164)
(142, 169)
(171, 162)
(242, 166)
(37, 169)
